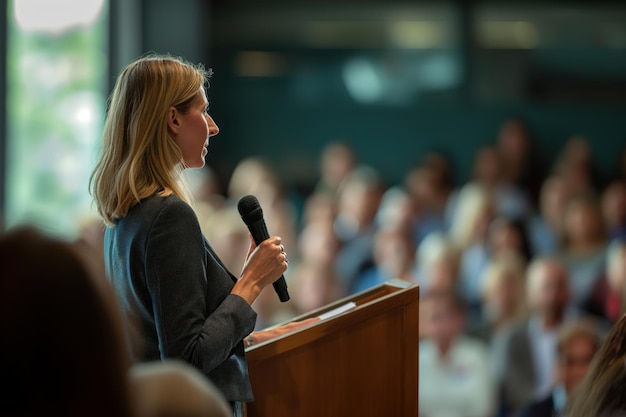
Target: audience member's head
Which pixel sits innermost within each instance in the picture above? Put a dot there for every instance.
(584, 227)
(474, 210)
(229, 236)
(319, 206)
(547, 288)
(508, 235)
(337, 161)
(554, 196)
(397, 210)
(318, 243)
(487, 166)
(438, 261)
(205, 187)
(575, 163)
(503, 289)
(63, 350)
(360, 194)
(175, 389)
(254, 175)
(394, 253)
(444, 317)
(601, 392)
(514, 139)
(614, 208)
(577, 343)
(312, 285)
(616, 264)
(430, 183)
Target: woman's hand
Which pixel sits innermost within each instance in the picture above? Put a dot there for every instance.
(264, 264)
(261, 336)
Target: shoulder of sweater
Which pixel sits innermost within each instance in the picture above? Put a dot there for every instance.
(156, 203)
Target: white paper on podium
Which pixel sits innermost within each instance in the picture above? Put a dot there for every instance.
(338, 310)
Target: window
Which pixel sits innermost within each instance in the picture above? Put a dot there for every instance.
(56, 98)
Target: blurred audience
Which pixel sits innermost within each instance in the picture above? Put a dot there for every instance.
(397, 211)
(473, 213)
(255, 175)
(601, 392)
(453, 368)
(614, 209)
(206, 190)
(522, 166)
(393, 257)
(430, 185)
(394, 247)
(524, 247)
(527, 353)
(575, 162)
(359, 198)
(229, 236)
(506, 235)
(437, 264)
(516, 266)
(489, 171)
(63, 350)
(337, 160)
(608, 297)
(503, 297)
(313, 285)
(583, 250)
(173, 388)
(545, 224)
(577, 343)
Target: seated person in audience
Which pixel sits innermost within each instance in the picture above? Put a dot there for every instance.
(437, 264)
(394, 257)
(473, 213)
(312, 278)
(312, 285)
(577, 343)
(613, 201)
(355, 224)
(429, 186)
(173, 388)
(545, 225)
(526, 354)
(504, 236)
(575, 162)
(453, 367)
(601, 392)
(337, 160)
(522, 166)
(503, 292)
(608, 298)
(63, 351)
(584, 246)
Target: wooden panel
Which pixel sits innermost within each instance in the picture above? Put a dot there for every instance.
(363, 362)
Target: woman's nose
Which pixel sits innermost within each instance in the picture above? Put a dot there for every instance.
(213, 128)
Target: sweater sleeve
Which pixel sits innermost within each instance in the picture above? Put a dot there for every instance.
(176, 269)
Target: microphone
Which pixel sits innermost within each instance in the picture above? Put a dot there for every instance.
(252, 215)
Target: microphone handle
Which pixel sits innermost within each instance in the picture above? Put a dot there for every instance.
(259, 233)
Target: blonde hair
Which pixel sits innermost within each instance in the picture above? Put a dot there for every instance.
(601, 392)
(501, 267)
(138, 156)
(473, 200)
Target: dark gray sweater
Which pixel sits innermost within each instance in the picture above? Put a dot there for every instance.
(174, 293)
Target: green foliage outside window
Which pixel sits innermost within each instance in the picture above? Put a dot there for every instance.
(56, 100)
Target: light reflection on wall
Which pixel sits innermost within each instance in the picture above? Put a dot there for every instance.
(56, 103)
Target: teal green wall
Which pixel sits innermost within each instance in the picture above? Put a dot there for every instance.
(258, 117)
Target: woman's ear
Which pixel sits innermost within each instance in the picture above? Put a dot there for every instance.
(172, 120)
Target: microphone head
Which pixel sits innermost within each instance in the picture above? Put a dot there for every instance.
(249, 209)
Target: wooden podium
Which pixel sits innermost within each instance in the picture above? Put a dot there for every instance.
(361, 362)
